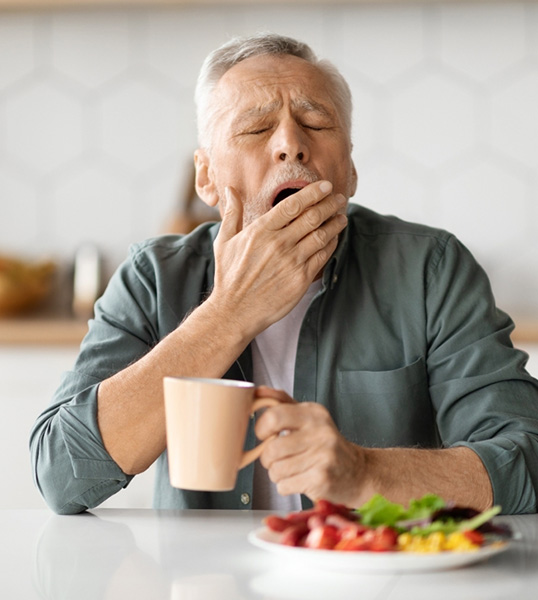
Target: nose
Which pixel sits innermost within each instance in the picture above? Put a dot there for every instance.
(290, 143)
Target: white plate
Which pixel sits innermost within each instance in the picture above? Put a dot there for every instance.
(371, 562)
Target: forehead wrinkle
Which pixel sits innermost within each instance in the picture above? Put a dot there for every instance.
(307, 105)
(255, 112)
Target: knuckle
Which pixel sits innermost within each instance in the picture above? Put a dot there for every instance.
(292, 209)
(274, 473)
(318, 411)
(320, 235)
(313, 217)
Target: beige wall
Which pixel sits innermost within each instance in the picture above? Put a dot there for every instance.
(97, 121)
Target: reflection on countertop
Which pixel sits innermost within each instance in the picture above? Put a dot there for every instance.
(205, 555)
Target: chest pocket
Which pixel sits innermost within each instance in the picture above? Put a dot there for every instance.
(386, 408)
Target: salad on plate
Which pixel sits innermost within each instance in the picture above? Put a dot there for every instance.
(427, 525)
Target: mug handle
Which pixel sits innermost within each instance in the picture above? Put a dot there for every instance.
(252, 454)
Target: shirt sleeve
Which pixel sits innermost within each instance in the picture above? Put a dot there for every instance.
(71, 466)
(491, 405)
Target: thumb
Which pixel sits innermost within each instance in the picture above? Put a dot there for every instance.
(232, 217)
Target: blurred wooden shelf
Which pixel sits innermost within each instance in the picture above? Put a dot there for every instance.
(43, 331)
(46, 4)
(526, 331)
(56, 330)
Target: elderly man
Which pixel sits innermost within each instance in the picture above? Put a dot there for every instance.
(385, 333)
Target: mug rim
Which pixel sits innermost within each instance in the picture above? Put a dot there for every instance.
(213, 381)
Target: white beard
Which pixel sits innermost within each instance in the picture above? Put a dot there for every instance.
(258, 205)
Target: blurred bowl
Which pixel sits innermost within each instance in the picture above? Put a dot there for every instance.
(24, 285)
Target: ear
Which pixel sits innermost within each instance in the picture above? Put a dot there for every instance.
(205, 186)
(354, 180)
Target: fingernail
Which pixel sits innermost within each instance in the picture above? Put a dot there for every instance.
(325, 187)
(341, 199)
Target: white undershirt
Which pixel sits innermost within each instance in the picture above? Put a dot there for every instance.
(273, 360)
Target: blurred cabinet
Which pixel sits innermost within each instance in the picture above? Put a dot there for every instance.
(29, 376)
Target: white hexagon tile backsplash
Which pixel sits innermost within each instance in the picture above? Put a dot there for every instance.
(97, 119)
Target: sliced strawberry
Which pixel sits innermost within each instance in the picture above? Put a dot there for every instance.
(323, 537)
(316, 521)
(294, 535)
(325, 507)
(276, 523)
(301, 516)
(344, 524)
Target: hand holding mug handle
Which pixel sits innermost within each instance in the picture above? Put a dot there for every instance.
(251, 455)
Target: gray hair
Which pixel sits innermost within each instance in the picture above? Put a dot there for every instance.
(238, 49)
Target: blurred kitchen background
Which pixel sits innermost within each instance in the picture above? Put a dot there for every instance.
(97, 133)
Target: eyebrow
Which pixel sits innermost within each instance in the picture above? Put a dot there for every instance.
(311, 106)
(257, 112)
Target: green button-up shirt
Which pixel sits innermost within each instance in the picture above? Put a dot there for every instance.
(403, 344)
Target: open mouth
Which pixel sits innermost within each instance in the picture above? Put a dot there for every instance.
(284, 194)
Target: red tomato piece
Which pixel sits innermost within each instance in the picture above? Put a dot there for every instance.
(357, 544)
(384, 539)
(475, 537)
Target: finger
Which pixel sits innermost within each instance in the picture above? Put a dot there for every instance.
(265, 391)
(316, 248)
(232, 218)
(299, 472)
(286, 450)
(293, 206)
(315, 217)
(290, 416)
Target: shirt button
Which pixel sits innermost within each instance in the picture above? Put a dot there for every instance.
(245, 498)
(335, 279)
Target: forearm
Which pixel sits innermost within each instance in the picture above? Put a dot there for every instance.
(130, 403)
(273, 253)
(455, 474)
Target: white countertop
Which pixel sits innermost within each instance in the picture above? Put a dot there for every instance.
(118, 554)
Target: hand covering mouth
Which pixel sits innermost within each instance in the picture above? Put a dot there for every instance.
(284, 194)
(287, 190)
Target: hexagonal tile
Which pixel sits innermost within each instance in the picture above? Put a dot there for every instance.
(514, 120)
(142, 126)
(18, 214)
(486, 207)
(382, 42)
(514, 284)
(366, 107)
(162, 198)
(389, 188)
(202, 29)
(482, 40)
(532, 11)
(91, 206)
(433, 120)
(90, 49)
(43, 126)
(16, 47)
(288, 20)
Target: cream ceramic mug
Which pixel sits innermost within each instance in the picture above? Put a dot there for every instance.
(206, 426)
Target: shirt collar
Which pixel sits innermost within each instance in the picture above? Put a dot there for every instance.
(334, 266)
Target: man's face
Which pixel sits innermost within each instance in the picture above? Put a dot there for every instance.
(276, 128)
